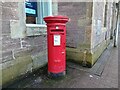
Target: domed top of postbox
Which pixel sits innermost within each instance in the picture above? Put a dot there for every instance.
(56, 19)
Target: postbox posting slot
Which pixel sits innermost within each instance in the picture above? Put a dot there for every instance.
(57, 31)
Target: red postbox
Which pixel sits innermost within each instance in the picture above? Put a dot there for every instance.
(56, 38)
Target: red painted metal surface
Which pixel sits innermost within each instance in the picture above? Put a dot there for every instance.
(56, 38)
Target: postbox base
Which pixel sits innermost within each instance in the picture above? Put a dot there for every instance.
(55, 75)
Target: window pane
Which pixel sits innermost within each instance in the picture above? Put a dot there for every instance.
(30, 19)
(31, 8)
(36, 11)
(31, 11)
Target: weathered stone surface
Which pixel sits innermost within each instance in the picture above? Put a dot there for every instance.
(24, 62)
(1, 59)
(6, 38)
(0, 3)
(5, 27)
(83, 33)
(70, 7)
(20, 52)
(91, 57)
(98, 35)
(36, 43)
(0, 12)
(9, 44)
(18, 67)
(1, 31)
(9, 13)
(76, 11)
(17, 29)
(0, 76)
(40, 59)
(10, 4)
(88, 34)
(6, 56)
(35, 31)
(98, 50)
(89, 9)
(83, 22)
(54, 8)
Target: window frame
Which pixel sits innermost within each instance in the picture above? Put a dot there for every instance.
(39, 17)
(105, 14)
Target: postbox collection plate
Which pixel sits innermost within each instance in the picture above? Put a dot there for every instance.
(57, 39)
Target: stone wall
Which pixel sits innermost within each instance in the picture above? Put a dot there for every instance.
(101, 32)
(87, 37)
(0, 42)
(24, 48)
(77, 28)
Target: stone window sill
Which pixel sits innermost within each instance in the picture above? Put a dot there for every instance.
(36, 29)
(35, 25)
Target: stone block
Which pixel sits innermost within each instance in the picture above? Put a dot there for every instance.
(5, 27)
(0, 12)
(70, 7)
(97, 51)
(34, 31)
(0, 3)
(88, 32)
(23, 63)
(10, 45)
(9, 13)
(7, 56)
(89, 9)
(0, 76)
(75, 37)
(18, 67)
(39, 59)
(18, 29)
(54, 8)
(83, 22)
(1, 59)
(64, 3)
(72, 25)
(22, 51)
(39, 40)
(10, 4)
(36, 43)
(36, 50)
(0, 30)
(76, 55)
(76, 11)
(6, 37)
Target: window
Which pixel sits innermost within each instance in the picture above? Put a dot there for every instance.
(37, 10)
(105, 14)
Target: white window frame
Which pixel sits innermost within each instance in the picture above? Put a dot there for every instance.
(39, 14)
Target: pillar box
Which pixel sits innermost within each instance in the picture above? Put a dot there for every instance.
(56, 43)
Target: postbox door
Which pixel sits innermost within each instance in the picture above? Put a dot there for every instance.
(57, 52)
